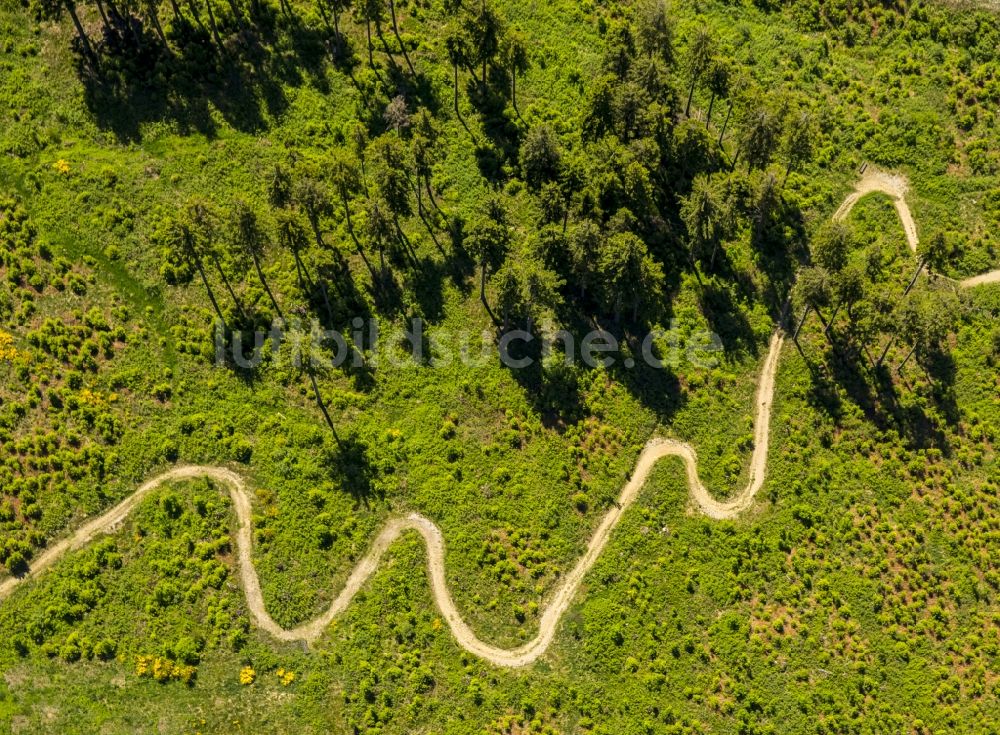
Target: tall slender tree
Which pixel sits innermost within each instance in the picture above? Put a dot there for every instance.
(798, 142)
(81, 34)
(488, 242)
(399, 38)
(655, 31)
(515, 53)
(699, 54)
(204, 225)
(182, 239)
(248, 236)
(718, 84)
(347, 180)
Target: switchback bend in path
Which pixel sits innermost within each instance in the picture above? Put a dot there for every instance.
(651, 454)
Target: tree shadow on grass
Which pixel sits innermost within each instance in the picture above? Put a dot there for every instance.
(554, 387)
(350, 465)
(727, 319)
(244, 82)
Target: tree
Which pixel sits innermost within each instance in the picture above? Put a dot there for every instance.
(702, 214)
(599, 115)
(459, 50)
(392, 181)
(336, 7)
(506, 284)
(924, 323)
(292, 237)
(313, 199)
(369, 10)
(515, 55)
(347, 180)
(541, 156)
(619, 49)
(525, 288)
(81, 34)
(180, 238)
(488, 242)
(760, 137)
(378, 226)
(204, 225)
(247, 236)
(656, 31)
(279, 187)
(849, 288)
(629, 275)
(718, 84)
(831, 246)
(399, 38)
(699, 55)
(798, 143)
(423, 150)
(584, 247)
(396, 115)
(485, 34)
(811, 292)
(931, 254)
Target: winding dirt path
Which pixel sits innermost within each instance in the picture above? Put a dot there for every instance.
(653, 452)
(895, 186)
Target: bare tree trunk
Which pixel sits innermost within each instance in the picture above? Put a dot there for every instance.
(229, 288)
(322, 408)
(368, 36)
(725, 125)
(423, 218)
(263, 282)
(357, 243)
(906, 359)
(399, 39)
(802, 321)
(213, 25)
(881, 358)
(913, 280)
(687, 108)
(208, 288)
(88, 50)
(482, 295)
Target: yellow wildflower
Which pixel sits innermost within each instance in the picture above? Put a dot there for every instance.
(142, 665)
(62, 166)
(247, 675)
(7, 350)
(162, 669)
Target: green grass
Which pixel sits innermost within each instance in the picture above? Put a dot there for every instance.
(859, 595)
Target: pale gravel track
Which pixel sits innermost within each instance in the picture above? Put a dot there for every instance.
(655, 450)
(895, 186)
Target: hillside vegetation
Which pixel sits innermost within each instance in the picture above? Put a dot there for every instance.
(176, 177)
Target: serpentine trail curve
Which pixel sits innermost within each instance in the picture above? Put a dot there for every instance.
(651, 454)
